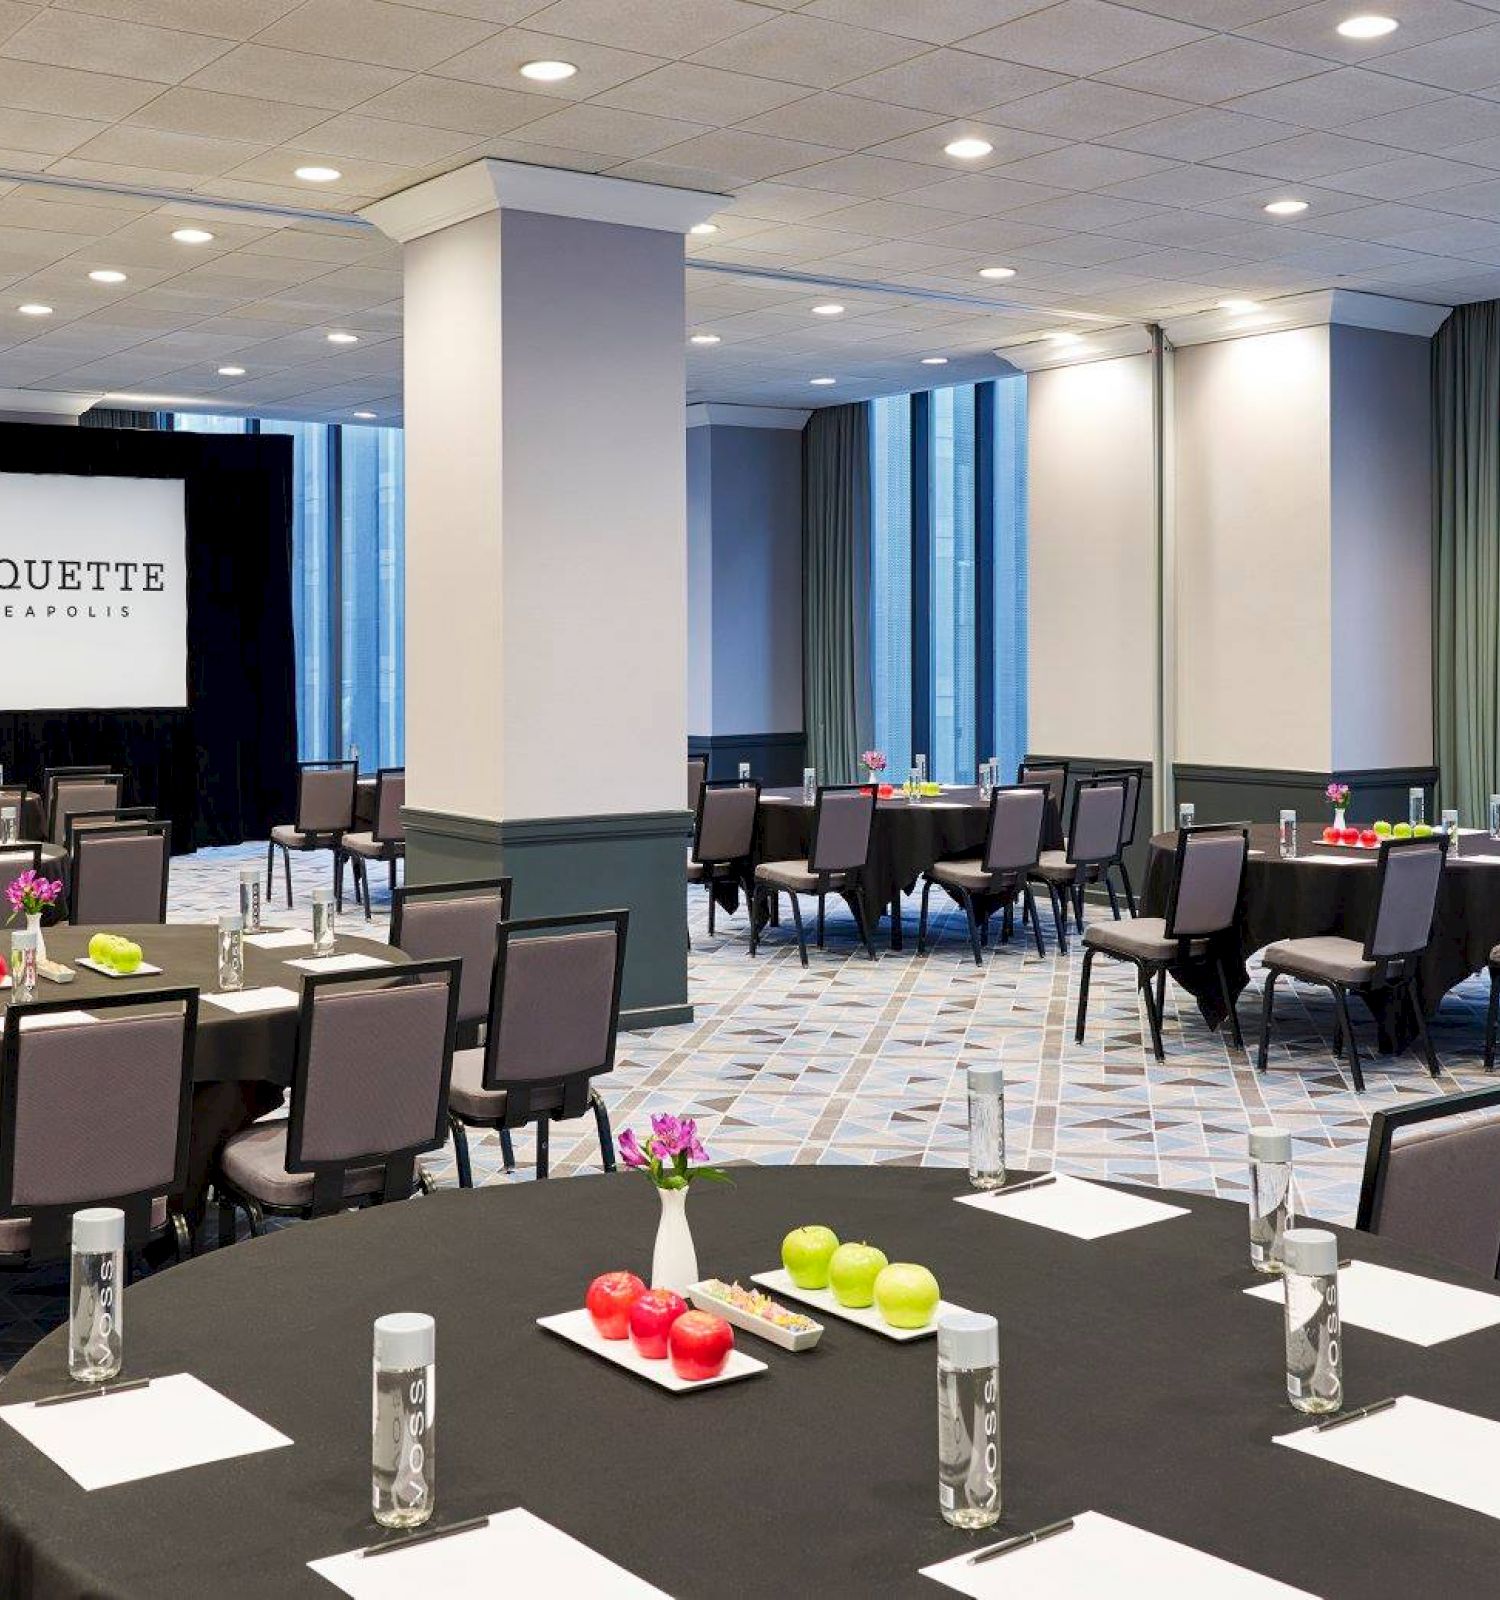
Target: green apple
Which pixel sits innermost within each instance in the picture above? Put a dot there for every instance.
(852, 1273)
(1402, 830)
(1423, 830)
(906, 1294)
(127, 955)
(99, 948)
(806, 1252)
(1383, 829)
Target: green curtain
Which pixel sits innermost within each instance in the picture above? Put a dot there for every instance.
(835, 588)
(1466, 558)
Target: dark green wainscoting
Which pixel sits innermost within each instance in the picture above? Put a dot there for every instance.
(775, 758)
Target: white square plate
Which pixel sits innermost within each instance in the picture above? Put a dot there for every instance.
(145, 970)
(780, 1283)
(578, 1328)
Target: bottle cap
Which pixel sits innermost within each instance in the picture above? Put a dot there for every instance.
(322, 897)
(1311, 1251)
(231, 922)
(968, 1339)
(99, 1229)
(23, 939)
(249, 874)
(403, 1340)
(986, 1080)
(1270, 1144)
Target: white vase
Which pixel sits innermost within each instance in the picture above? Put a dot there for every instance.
(1338, 816)
(34, 925)
(674, 1262)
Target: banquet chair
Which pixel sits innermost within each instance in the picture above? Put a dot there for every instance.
(455, 919)
(843, 823)
(697, 776)
(723, 837)
(1093, 842)
(369, 1095)
(1432, 1179)
(325, 813)
(1133, 778)
(78, 821)
(95, 1114)
(1203, 905)
(554, 1012)
(120, 873)
(1012, 846)
(1396, 938)
(1054, 775)
(99, 793)
(50, 776)
(386, 840)
(1492, 1014)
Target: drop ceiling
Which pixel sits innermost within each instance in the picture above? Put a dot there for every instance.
(1134, 149)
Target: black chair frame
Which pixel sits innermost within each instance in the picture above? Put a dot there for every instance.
(464, 1039)
(737, 871)
(1129, 821)
(79, 854)
(50, 776)
(360, 866)
(116, 778)
(131, 814)
(331, 840)
(1090, 871)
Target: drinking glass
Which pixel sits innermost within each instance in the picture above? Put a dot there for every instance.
(1450, 822)
(1185, 814)
(1416, 806)
(1495, 816)
(1288, 835)
(914, 783)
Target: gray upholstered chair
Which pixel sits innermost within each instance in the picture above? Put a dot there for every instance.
(1012, 845)
(723, 837)
(1406, 888)
(1203, 904)
(369, 1095)
(325, 813)
(553, 1016)
(78, 821)
(455, 919)
(1093, 842)
(120, 873)
(94, 1114)
(1432, 1179)
(1133, 777)
(1492, 1014)
(386, 840)
(843, 821)
(70, 794)
(697, 776)
(51, 775)
(1054, 775)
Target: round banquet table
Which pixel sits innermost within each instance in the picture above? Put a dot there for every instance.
(1137, 1380)
(241, 1063)
(1324, 891)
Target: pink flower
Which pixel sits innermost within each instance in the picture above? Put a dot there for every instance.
(630, 1151)
(872, 761)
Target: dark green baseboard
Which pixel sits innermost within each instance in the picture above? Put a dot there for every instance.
(586, 863)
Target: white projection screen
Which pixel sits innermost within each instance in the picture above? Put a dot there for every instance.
(93, 592)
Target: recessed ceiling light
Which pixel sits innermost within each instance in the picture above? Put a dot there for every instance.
(703, 228)
(1287, 208)
(934, 361)
(367, 416)
(192, 236)
(997, 272)
(32, 309)
(829, 309)
(1368, 27)
(822, 383)
(1065, 339)
(231, 372)
(343, 338)
(548, 71)
(968, 149)
(1239, 305)
(318, 174)
(107, 275)
(703, 338)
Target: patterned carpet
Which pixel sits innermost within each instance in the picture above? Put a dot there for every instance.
(859, 1062)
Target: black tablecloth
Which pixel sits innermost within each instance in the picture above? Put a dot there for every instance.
(1137, 1380)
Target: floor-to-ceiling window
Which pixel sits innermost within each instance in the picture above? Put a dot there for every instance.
(948, 577)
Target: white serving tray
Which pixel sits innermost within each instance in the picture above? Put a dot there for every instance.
(793, 1339)
(145, 970)
(780, 1283)
(578, 1328)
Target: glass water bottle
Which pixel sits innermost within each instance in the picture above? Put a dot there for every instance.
(1288, 840)
(1186, 813)
(10, 825)
(1495, 816)
(968, 1362)
(1416, 806)
(403, 1462)
(23, 966)
(250, 898)
(920, 762)
(1270, 1196)
(744, 772)
(1314, 1336)
(986, 1127)
(95, 1348)
(1450, 824)
(809, 786)
(322, 918)
(231, 952)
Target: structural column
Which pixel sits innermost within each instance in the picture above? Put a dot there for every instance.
(546, 604)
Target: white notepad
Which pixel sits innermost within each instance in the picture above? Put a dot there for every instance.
(172, 1423)
(50, 1019)
(352, 962)
(1404, 1306)
(1430, 1448)
(244, 1002)
(1071, 1205)
(514, 1552)
(286, 939)
(1100, 1556)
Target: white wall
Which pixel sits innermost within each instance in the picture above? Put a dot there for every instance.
(1091, 573)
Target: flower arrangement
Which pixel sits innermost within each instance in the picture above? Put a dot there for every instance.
(31, 893)
(1337, 795)
(873, 761)
(666, 1156)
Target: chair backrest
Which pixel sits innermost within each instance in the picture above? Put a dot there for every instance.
(120, 873)
(842, 822)
(697, 776)
(14, 860)
(724, 828)
(1013, 836)
(1406, 889)
(1098, 804)
(370, 1081)
(1053, 774)
(1207, 873)
(78, 821)
(1132, 778)
(390, 797)
(100, 793)
(325, 796)
(554, 1010)
(455, 919)
(95, 1113)
(1432, 1178)
(50, 775)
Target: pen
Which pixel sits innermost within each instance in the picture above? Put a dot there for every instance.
(92, 1394)
(1020, 1541)
(425, 1536)
(1354, 1416)
(1030, 1183)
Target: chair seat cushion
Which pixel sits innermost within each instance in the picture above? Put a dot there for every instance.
(255, 1163)
(1054, 867)
(15, 1232)
(466, 1092)
(1140, 939)
(285, 834)
(1326, 958)
(795, 875)
(371, 848)
(969, 874)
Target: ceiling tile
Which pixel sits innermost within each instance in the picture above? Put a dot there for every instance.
(1314, 28)
(1470, 200)
(131, 146)
(929, 146)
(1215, 13)
(1084, 109)
(981, 194)
(231, 19)
(474, 108)
(887, 219)
(1184, 185)
(936, 21)
(373, 31)
(778, 202)
(748, 157)
(1305, 155)
(617, 133)
(126, 49)
(701, 94)
(803, 49)
(499, 61)
(1465, 61)
(1083, 166)
(304, 80)
(843, 121)
(1080, 37)
(1436, 127)
(1333, 99)
(1407, 177)
(1088, 213)
(29, 86)
(954, 83)
(1200, 134)
(659, 27)
(33, 130)
(224, 116)
(378, 139)
(1211, 70)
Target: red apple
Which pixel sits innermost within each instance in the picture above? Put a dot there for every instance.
(1369, 838)
(4, 970)
(609, 1300)
(700, 1344)
(1331, 835)
(651, 1319)
(1350, 835)
(885, 792)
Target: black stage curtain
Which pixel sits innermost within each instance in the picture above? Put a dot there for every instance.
(222, 770)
